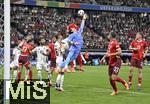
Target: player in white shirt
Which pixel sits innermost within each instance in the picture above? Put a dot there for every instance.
(59, 51)
(42, 52)
(15, 64)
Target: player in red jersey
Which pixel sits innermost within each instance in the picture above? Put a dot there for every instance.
(52, 54)
(80, 62)
(139, 48)
(114, 52)
(26, 48)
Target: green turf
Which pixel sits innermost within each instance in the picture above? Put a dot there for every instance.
(92, 87)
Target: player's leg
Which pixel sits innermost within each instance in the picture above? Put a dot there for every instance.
(15, 73)
(139, 78)
(116, 71)
(49, 76)
(72, 66)
(60, 77)
(112, 80)
(39, 68)
(29, 70)
(15, 70)
(139, 65)
(133, 63)
(130, 76)
(79, 59)
(19, 71)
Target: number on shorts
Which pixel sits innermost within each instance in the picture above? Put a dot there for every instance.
(116, 69)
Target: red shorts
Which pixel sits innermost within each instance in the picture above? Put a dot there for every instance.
(114, 69)
(136, 63)
(24, 60)
(53, 63)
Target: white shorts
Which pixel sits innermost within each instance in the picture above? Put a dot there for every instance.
(40, 66)
(59, 60)
(14, 64)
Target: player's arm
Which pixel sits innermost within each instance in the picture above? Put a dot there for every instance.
(69, 39)
(146, 50)
(132, 48)
(34, 50)
(118, 52)
(47, 52)
(82, 23)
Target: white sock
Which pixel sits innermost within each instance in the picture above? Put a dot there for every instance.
(62, 81)
(15, 75)
(49, 76)
(27, 73)
(58, 79)
(39, 75)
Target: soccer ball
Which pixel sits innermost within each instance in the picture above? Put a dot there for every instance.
(81, 12)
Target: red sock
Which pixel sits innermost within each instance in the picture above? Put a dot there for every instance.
(118, 79)
(139, 80)
(30, 74)
(113, 84)
(130, 78)
(79, 59)
(72, 65)
(19, 76)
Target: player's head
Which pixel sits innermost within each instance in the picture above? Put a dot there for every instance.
(71, 28)
(28, 38)
(42, 42)
(111, 35)
(54, 39)
(60, 37)
(138, 36)
(78, 21)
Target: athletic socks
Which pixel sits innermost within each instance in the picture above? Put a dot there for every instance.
(19, 75)
(139, 81)
(58, 80)
(130, 79)
(30, 74)
(15, 75)
(62, 80)
(39, 75)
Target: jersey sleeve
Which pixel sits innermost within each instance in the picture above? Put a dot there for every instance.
(81, 26)
(69, 38)
(34, 50)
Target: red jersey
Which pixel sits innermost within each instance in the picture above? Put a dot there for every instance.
(53, 52)
(26, 49)
(113, 47)
(141, 49)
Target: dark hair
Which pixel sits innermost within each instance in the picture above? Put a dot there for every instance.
(113, 34)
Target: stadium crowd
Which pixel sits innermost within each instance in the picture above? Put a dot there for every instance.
(132, 3)
(48, 22)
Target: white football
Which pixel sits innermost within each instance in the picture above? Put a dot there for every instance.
(81, 12)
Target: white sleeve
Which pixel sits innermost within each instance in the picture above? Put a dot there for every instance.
(34, 50)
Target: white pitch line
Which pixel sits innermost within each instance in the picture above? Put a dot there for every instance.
(109, 90)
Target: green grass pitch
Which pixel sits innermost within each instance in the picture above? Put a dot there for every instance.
(92, 87)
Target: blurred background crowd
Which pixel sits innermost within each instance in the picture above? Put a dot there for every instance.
(38, 21)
